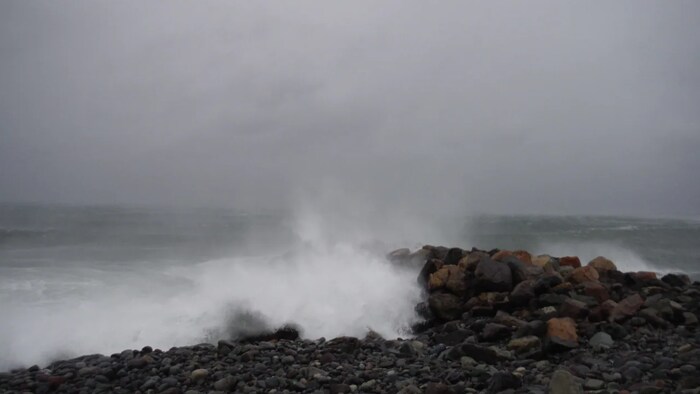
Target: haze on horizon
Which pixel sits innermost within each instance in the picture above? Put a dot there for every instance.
(500, 107)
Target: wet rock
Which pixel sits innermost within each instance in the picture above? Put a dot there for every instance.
(601, 340)
(470, 261)
(561, 333)
(501, 381)
(494, 332)
(676, 280)
(573, 309)
(521, 271)
(626, 308)
(596, 290)
(602, 265)
(562, 382)
(570, 261)
(430, 267)
(524, 344)
(493, 276)
(584, 274)
(199, 374)
(445, 306)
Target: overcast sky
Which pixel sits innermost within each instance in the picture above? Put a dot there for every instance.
(511, 107)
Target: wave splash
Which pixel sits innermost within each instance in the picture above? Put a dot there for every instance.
(326, 288)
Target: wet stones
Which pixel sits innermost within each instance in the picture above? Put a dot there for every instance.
(445, 306)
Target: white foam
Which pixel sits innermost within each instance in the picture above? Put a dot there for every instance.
(327, 288)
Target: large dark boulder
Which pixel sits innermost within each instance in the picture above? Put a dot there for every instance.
(493, 276)
(445, 306)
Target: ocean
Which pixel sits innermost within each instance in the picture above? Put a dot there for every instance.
(93, 279)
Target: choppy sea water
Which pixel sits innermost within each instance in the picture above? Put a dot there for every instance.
(79, 280)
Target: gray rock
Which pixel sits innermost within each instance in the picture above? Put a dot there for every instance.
(562, 382)
(493, 276)
(601, 340)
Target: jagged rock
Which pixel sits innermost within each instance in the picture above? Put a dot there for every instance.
(546, 262)
(602, 265)
(535, 328)
(562, 332)
(445, 306)
(570, 261)
(584, 274)
(493, 276)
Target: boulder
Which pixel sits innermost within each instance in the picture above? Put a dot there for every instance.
(470, 261)
(676, 280)
(523, 293)
(626, 308)
(477, 352)
(523, 256)
(521, 271)
(450, 276)
(453, 256)
(445, 306)
(431, 266)
(545, 283)
(602, 265)
(570, 261)
(561, 332)
(584, 274)
(493, 276)
(501, 254)
(546, 262)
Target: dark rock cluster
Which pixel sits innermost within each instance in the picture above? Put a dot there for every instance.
(494, 321)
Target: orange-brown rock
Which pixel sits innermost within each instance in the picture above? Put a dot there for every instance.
(471, 260)
(523, 255)
(544, 261)
(584, 274)
(602, 264)
(596, 290)
(570, 261)
(500, 255)
(626, 308)
(562, 331)
(440, 278)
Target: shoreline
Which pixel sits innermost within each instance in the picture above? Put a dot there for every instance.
(493, 321)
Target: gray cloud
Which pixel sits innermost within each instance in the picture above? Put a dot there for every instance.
(546, 107)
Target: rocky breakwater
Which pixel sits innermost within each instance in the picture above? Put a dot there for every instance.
(496, 321)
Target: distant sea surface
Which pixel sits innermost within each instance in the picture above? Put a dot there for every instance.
(78, 280)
